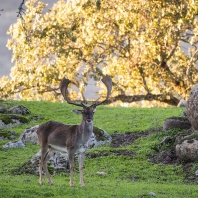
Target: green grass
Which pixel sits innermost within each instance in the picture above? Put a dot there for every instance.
(104, 187)
(125, 177)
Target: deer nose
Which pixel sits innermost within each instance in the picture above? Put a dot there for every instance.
(89, 120)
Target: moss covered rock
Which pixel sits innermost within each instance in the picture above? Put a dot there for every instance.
(4, 134)
(176, 122)
(187, 151)
(8, 120)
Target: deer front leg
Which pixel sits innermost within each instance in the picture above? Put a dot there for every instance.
(80, 161)
(71, 163)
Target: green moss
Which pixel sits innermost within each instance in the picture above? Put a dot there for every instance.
(8, 118)
(99, 133)
(6, 134)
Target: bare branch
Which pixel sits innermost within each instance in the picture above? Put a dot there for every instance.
(164, 98)
(21, 10)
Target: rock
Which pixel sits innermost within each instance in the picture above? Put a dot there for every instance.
(3, 110)
(100, 173)
(57, 163)
(187, 151)
(176, 122)
(14, 122)
(192, 107)
(9, 120)
(99, 137)
(182, 103)
(19, 110)
(196, 172)
(4, 135)
(18, 144)
(152, 194)
(29, 135)
(180, 136)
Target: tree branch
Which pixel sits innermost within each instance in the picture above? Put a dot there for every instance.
(168, 98)
(21, 10)
(140, 68)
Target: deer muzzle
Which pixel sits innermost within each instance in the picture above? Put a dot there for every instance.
(89, 121)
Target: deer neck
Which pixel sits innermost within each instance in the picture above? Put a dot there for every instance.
(86, 130)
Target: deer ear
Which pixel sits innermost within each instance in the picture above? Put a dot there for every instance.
(77, 111)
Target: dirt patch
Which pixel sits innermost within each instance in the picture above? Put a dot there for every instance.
(107, 153)
(126, 139)
(164, 157)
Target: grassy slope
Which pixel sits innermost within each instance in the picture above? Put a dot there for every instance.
(125, 176)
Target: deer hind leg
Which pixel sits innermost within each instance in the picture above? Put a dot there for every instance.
(71, 163)
(80, 161)
(45, 154)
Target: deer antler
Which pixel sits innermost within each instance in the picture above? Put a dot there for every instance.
(108, 83)
(63, 87)
(65, 82)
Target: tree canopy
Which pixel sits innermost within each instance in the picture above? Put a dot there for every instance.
(140, 44)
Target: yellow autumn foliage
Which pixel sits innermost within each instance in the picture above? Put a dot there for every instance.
(147, 47)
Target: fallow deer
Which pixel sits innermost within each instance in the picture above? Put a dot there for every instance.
(69, 139)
